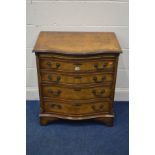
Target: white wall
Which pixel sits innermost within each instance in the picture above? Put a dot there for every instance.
(72, 15)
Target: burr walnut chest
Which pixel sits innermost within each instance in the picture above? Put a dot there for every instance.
(77, 75)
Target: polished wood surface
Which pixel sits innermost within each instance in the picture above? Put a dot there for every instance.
(74, 84)
(77, 65)
(75, 93)
(85, 79)
(77, 42)
(76, 109)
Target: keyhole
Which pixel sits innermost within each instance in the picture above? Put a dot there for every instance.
(77, 68)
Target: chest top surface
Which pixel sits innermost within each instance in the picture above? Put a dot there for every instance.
(77, 43)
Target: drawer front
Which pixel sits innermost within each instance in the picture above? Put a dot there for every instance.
(77, 66)
(76, 79)
(76, 108)
(75, 93)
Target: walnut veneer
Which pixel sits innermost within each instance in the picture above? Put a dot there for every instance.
(77, 75)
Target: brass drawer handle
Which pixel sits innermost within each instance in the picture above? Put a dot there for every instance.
(50, 65)
(77, 77)
(77, 89)
(58, 78)
(57, 106)
(55, 93)
(76, 104)
(97, 81)
(98, 109)
(99, 94)
(100, 69)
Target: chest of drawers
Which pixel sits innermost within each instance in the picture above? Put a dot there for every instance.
(77, 75)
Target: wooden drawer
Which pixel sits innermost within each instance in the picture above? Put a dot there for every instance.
(77, 66)
(76, 79)
(75, 93)
(76, 108)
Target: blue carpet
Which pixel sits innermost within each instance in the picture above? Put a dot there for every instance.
(77, 138)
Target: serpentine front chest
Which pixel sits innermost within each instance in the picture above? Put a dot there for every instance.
(77, 75)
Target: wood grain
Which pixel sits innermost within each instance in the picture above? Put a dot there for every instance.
(77, 42)
(76, 109)
(65, 65)
(61, 78)
(77, 75)
(75, 93)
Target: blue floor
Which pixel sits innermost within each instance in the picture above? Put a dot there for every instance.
(77, 138)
